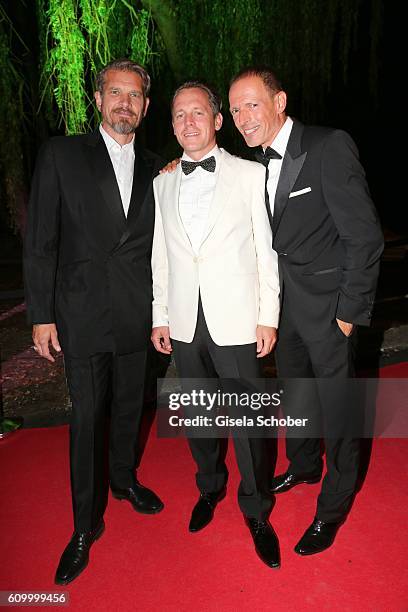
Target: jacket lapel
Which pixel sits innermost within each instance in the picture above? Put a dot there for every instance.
(222, 193)
(173, 194)
(142, 180)
(104, 175)
(292, 163)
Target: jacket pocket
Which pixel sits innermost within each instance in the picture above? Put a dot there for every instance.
(319, 272)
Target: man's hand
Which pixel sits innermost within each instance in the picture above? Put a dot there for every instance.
(43, 334)
(265, 340)
(161, 339)
(171, 166)
(346, 328)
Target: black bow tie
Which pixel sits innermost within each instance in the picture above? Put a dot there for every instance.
(264, 156)
(189, 167)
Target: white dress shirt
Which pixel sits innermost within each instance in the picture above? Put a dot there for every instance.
(123, 162)
(195, 198)
(279, 144)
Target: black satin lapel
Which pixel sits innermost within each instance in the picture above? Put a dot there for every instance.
(289, 173)
(105, 180)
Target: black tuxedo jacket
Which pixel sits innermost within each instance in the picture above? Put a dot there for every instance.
(326, 231)
(86, 266)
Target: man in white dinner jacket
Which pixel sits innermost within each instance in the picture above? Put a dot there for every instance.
(216, 293)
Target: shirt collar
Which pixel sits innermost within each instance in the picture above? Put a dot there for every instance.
(111, 142)
(280, 142)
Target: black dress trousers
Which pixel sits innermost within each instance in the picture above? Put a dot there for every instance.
(329, 357)
(204, 359)
(101, 386)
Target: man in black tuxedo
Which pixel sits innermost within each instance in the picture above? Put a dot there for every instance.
(329, 241)
(88, 290)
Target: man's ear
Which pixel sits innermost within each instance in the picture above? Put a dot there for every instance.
(218, 121)
(98, 100)
(280, 102)
(146, 106)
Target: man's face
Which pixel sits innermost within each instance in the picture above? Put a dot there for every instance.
(194, 123)
(121, 102)
(258, 114)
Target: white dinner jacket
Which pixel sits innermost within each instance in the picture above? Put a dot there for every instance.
(235, 270)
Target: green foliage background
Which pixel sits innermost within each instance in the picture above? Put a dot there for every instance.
(50, 51)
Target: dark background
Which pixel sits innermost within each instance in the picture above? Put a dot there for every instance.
(363, 96)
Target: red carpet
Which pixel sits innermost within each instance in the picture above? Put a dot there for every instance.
(150, 563)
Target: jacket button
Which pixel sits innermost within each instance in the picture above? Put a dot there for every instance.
(282, 254)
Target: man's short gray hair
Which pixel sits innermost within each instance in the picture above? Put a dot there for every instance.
(124, 65)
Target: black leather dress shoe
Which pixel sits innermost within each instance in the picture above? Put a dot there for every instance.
(75, 557)
(286, 481)
(203, 511)
(317, 537)
(265, 540)
(142, 499)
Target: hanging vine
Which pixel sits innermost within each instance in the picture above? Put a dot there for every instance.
(64, 65)
(94, 20)
(140, 44)
(47, 101)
